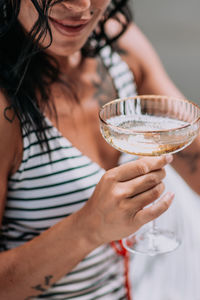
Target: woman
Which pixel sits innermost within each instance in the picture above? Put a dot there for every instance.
(64, 199)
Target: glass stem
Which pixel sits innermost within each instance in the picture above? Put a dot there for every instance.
(153, 234)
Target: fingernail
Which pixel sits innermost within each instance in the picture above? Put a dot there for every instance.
(170, 195)
(169, 158)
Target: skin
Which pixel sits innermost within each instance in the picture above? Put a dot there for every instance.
(116, 207)
(71, 11)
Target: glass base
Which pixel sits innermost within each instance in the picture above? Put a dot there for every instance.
(151, 242)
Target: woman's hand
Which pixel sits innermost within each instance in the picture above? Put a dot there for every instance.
(117, 206)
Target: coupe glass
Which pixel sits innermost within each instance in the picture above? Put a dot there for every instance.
(150, 125)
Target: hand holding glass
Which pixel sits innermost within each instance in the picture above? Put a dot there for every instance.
(150, 125)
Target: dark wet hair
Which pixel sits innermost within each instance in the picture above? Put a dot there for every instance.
(27, 71)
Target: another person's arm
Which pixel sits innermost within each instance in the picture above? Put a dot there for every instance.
(151, 78)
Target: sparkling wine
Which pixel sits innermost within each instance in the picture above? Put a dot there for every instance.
(147, 135)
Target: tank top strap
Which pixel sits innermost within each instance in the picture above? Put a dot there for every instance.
(119, 71)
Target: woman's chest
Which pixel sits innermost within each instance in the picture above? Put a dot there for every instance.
(94, 84)
(82, 129)
(78, 120)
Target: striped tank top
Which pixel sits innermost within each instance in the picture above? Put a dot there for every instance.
(41, 193)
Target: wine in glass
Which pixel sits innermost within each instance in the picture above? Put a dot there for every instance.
(150, 125)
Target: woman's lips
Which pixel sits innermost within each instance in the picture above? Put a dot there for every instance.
(69, 28)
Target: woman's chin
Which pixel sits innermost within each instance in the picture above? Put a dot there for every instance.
(64, 49)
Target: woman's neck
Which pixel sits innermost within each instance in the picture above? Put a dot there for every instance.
(69, 63)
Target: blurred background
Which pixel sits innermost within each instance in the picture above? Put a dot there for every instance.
(173, 27)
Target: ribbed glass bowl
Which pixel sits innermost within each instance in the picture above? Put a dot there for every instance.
(149, 125)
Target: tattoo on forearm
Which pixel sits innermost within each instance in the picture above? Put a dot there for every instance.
(191, 159)
(41, 287)
(47, 280)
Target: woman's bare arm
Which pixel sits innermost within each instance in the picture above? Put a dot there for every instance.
(30, 269)
(114, 211)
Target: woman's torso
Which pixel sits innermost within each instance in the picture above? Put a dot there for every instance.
(41, 193)
(95, 83)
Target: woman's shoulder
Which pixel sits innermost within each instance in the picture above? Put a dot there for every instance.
(10, 137)
(137, 51)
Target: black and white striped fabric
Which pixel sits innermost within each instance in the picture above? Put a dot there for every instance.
(120, 73)
(41, 193)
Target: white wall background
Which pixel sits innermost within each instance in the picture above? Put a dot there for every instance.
(173, 27)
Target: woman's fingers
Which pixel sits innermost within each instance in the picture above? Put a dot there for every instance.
(141, 200)
(118, 205)
(140, 167)
(143, 183)
(152, 212)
